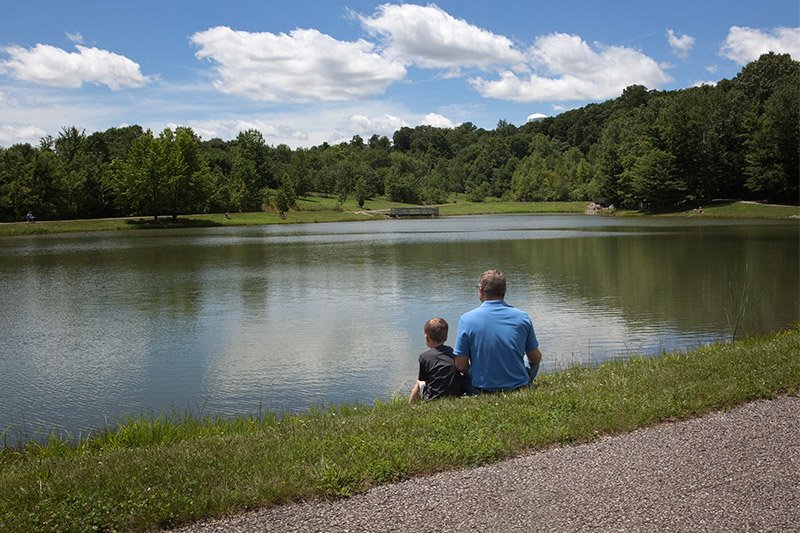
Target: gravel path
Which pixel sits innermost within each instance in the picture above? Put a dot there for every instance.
(736, 470)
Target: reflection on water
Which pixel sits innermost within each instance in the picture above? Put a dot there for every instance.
(233, 320)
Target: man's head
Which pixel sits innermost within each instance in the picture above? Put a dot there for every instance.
(492, 285)
(436, 331)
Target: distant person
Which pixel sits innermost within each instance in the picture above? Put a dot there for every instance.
(30, 218)
(496, 342)
(227, 215)
(438, 376)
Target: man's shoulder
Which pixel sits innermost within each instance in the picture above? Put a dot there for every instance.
(472, 313)
(491, 307)
(510, 309)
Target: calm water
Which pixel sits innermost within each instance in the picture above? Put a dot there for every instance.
(234, 320)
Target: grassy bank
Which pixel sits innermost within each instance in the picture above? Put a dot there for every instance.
(727, 209)
(325, 209)
(309, 209)
(162, 472)
(489, 207)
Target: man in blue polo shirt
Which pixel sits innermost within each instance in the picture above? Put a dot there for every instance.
(494, 338)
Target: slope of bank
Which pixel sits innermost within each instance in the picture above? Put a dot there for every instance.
(166, 471)
(734, 470)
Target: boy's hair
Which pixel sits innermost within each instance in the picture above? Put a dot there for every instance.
(436, 329)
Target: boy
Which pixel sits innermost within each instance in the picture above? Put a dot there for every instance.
(438, 375)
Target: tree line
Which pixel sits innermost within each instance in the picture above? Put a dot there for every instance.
(644, 149)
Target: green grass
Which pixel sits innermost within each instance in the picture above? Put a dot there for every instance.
(161, 472)
(330, 209)
(463, 207)
(730, 209)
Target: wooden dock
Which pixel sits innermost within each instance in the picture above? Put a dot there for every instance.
(414, 212)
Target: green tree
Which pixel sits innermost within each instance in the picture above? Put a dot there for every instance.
(185, 174)
(296, 174)
(760, 78)
(401, 140)
(773, 166)
(403, 179)
(655, 179)
(618, 149)
(138, 180)
(283, 199)
(16, 168)
(251, 167)
(71, 159)
(106, 147)
(478, 192)
(361, 192)
(546, 174)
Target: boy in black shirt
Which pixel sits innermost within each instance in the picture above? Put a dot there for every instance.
(438, 375)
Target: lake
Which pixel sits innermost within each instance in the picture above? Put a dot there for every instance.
(229, 321)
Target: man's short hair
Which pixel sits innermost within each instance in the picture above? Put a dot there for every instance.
(493, 283)
(436, 329)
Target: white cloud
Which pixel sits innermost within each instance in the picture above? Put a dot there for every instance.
(681, 45)
(431, 38)
(306, 126)
(700, 83)
(303, 66)
(712, 69)
(437, 121)
(744, 45)
(48, 65)
(575, 71)
(16, 133)
(535, 117)
(366, 126)
(75, 37)
(200, 107)
(229, 128)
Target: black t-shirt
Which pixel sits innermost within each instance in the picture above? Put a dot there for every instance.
(437, 368)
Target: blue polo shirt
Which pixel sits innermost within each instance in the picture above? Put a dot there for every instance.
(495, 336)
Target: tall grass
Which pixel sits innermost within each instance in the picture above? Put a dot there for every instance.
(739, 302)
(167, 470)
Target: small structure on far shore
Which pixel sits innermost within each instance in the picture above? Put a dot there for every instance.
(414, 212)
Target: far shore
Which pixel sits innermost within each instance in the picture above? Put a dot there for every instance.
(312, 209)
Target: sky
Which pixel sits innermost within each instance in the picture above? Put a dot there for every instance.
(307, 72)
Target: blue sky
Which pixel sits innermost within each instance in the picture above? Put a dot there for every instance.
(307, 72)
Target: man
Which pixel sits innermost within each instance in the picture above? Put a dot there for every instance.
(494, 338)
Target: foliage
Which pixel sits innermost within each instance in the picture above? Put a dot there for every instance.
(282, 199)
(666, 149)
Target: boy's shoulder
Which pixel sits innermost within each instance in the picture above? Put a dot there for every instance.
(443, 349)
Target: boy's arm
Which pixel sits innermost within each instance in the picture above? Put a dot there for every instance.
(414, 393)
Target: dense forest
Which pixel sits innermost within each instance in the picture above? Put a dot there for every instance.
(645, 149)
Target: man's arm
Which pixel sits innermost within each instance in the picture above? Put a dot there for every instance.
(462, 364)
(534, 356)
